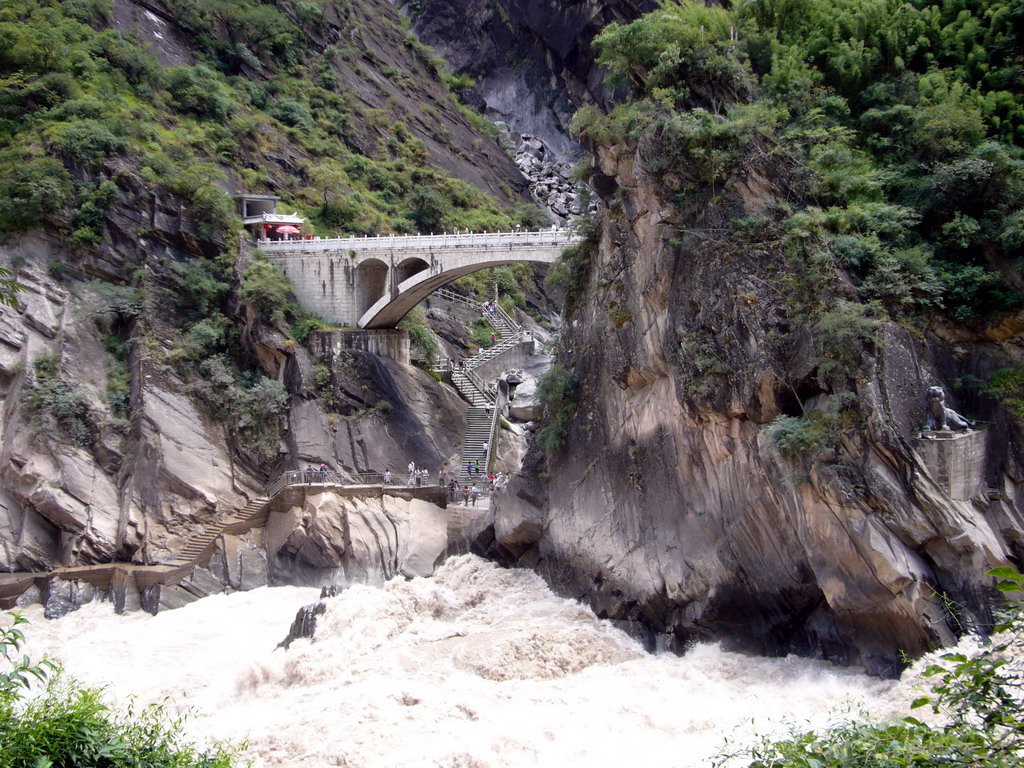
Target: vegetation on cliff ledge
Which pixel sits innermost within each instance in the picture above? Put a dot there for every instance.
(81, 103)
(857, 166)
(900, 123)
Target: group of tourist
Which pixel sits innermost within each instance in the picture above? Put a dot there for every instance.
(463, 493)
(313, 475)
(419, 477)
(497, 482)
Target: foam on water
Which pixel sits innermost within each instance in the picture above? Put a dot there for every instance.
(476, 666)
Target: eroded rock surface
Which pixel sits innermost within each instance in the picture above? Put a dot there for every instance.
(334, 539)
(668, 510)
(531, 59)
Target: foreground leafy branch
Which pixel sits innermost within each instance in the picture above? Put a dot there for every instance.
(67, 725)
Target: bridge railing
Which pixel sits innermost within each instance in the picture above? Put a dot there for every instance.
(387, 242)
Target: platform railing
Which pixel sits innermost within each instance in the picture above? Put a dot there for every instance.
(344, 479)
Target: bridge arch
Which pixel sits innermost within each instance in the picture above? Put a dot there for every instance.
(374, 281)
(409, 267)
(371, 283)
(387, 311)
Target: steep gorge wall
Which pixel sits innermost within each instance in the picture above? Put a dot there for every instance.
(135, 485)
(667, 509)
(531, 59)
(137, 491)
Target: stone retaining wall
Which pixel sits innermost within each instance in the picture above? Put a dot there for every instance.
(389, 342)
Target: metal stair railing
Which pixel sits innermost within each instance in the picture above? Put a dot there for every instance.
(462, 379)
(447, 294)
(504, 317)
(495, 416)
(487, 353)
(325, 477)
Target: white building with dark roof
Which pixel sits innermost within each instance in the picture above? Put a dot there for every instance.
(259, 215)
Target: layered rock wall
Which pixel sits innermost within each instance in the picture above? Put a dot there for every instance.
(669, 510)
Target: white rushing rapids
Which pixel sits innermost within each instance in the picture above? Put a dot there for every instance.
(476, 666)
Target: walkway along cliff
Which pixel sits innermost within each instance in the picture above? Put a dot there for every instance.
(311, 528)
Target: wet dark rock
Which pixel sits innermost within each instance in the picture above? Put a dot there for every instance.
(304, 625)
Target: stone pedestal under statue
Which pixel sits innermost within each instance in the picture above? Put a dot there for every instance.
(955, 460)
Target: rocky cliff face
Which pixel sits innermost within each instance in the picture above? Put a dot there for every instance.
(671, 512)
(136, 491)
(113, 451)
(531, 59)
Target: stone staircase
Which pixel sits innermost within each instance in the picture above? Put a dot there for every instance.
(472, 388)
(252, 515)
(481, 417)
(476, 443)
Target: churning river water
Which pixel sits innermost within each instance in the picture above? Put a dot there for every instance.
(476, 666)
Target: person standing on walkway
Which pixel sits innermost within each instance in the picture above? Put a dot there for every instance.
(475, 493)
(426, 477)
(387, 477)
(323, 472)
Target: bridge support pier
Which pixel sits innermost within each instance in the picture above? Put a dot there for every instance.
(386, 342)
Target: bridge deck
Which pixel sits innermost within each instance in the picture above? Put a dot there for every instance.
(385, 243)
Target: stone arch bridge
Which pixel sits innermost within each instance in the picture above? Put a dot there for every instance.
(372, 282)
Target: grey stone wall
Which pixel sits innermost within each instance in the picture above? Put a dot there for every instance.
(391, 343)
(514, 357)
(955, 460)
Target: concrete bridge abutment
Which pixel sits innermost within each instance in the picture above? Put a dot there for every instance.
(385, 342)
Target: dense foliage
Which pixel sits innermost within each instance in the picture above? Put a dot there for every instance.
(557, 397)
(76, 94)
(976, 693)
(90, 120)
(421, 335)
(900, 121)
(67, 725)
